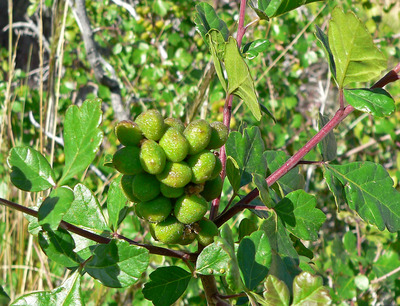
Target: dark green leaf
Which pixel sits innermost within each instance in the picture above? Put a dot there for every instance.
(254, 258)
(246, 150)
(86, 212)
(300, 216)
(116, 204)
(240, 82)
(265, 110)
(30, 170)
(246, 227)
(59, 246)
(357, 59)
(117, 264)
(327, 146)
(377, 101)
(276, 292)
(290, 181)
(263, 189)
(274, 8)
(369, 191)
(55, 206)
(335, 187)
(308, 290)
(207, 19)
(258, 11)
(4, 298)
(82, 137)
(68, 293)
(323, 39)
(252, 49)
(166, 285)
(217, 48)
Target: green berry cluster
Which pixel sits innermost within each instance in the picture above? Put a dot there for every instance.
(171, 173)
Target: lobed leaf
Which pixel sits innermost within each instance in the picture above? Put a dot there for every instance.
(82, 137)
(69, 293)
(276, 292)
(369, 191)
(55, 206)
(245, 154)
(117, 264)
(357, 59)
(30, 170)
(166, 285)
(299, 215)
(309, 290)
(376, 101)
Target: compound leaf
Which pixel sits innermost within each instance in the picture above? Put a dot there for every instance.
(82, 137)
(30, 170)
(369, 191)
(117, 264)
(357, 59)
(166, 285)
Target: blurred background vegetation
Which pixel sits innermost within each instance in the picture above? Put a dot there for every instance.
(150, 56)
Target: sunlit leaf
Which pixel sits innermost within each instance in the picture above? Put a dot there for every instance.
(276, 292)
(309, 290)
(207, 19)
(323, 39)
(217, 48)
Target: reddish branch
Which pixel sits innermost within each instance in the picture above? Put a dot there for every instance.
(340, 115)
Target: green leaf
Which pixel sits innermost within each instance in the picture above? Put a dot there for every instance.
(116, 204)
(323, 39)
(214, 258)
(233, 173)
(263, 189)
(260, 13)
(117, 264)
(30, 170)
(335, 187)
(254, 258)
(274, 8)
(308, 290)
(160, 7)
(357, 59)
(387, 262)
(82, 137)
(362, 282)
(59, 247)
(252, 49)
(350, 242)
(4, 298)
(290, 181)
(369, 191)
(217, 48)
(240, 82)
(86, 212)
(166, 285)
(207, 19)
(68, 293)
(276, 292)
(246, 227)
(300, 216)
(327, 146)
(377, 101)
(55, 206)
(246, 150)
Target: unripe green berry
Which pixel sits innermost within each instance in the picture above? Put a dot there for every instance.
(171, 192)
(219, 135)
(208, 230)
(176, 123)
(198, 134)
(126, 160)
(128, 133)
(202, 165)
(190, 208)
(174, 144)
(175, 175)
(212, 189)
(169, 231)
(126, 186)
(188, 237)
(152, 157)
(152, 124)
(156, 210)
(145, 187)
(217, 169)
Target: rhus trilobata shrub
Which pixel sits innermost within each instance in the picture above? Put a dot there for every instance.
(169, 188)
(221, 187)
